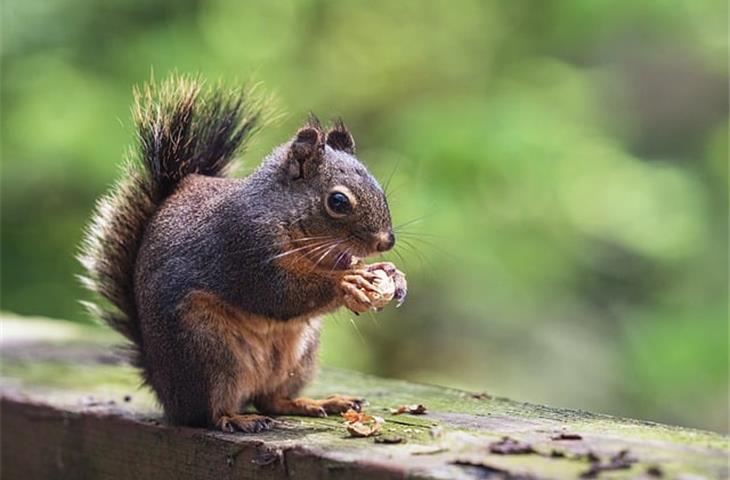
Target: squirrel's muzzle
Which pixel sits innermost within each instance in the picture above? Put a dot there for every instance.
(384, 241)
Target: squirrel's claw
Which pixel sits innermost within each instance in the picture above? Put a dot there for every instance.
(359, 280)
(246, 423)
(342, 403)
(355, 299)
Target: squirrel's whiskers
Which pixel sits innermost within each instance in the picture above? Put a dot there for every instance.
(280, 244)
(298, 249)
(324, 255)
(340, 255)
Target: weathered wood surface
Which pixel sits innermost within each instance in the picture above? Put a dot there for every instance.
(70, 409)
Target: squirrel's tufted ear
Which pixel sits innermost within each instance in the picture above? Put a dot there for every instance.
(305, 151)
(339, 137)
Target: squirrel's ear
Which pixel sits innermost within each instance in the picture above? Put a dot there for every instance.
(305, 151)
(339, 137)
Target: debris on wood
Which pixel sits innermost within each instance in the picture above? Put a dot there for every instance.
(431, 452)
(621, 461)
(412, 409)
(481, 396)
(389, 439)
(436, 432)
(655, 471)
(510, 446)
(90, 401)
(491, 470)
(566, 436)
(368, 428)
(359, 424)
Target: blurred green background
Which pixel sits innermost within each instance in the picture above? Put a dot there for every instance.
(563, 164)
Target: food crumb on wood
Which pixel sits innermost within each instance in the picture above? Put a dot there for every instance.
(416, 409)
(359, 424)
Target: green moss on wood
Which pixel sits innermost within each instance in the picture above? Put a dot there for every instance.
(450, 440)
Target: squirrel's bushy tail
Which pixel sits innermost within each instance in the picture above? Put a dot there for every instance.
(182, 128)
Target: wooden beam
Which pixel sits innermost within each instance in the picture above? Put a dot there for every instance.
(71, 409)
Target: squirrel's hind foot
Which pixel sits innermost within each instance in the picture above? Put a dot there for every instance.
(246, 423)
(309, 407)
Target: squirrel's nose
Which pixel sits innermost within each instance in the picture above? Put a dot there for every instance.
(384, 241)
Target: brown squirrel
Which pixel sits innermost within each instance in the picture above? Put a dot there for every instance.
(219, 283)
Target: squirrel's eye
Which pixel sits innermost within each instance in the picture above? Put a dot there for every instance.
(338, 204)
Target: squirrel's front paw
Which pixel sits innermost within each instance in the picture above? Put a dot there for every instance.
(357, 291)
(373, 287)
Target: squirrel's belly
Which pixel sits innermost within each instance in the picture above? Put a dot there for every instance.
(276, 351)
(267, 352)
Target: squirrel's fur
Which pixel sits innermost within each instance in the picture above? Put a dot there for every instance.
(182, 129)
(218, 282)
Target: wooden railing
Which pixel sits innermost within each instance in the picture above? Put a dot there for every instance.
(72, 409)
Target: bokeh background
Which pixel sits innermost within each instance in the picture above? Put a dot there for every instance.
(562, 164)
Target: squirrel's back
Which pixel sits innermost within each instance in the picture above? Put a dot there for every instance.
(182, 129)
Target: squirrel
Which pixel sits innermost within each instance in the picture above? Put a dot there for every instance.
(219, 283)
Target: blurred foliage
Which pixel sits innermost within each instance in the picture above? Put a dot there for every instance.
(563, 165)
